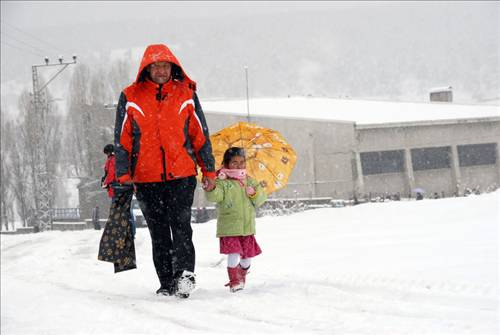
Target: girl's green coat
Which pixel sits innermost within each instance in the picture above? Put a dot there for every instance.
(236, 210)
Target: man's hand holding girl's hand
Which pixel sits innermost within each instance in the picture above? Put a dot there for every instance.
(250, 191)
(208, 184)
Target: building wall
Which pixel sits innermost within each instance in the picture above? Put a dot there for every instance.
(450, 180)
(430, 135)
(324, 154)
(438, 180)
(385, 184)
(484, 177)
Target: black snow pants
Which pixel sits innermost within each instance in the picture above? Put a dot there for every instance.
(167, 209)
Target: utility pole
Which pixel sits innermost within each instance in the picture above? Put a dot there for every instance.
(43, 195)
(248, 98)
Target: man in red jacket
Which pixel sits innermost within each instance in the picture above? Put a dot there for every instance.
(161, 136)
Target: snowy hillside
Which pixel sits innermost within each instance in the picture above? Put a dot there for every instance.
(426, 267)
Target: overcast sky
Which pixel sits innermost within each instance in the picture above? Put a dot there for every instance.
(39, 14)
(32, 30)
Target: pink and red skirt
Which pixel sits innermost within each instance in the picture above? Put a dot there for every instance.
(246, 246)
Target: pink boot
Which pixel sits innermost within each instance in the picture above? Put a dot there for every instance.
(242, 275)
(234, 279)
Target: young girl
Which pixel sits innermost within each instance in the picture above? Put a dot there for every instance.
(237, 196)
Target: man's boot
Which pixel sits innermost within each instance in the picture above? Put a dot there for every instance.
(186, 283)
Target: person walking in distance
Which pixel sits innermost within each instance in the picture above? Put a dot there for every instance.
(109, 169)
(160, 137)
(109, 180)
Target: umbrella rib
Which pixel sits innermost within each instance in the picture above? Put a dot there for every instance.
(276, 150)
(270, 140)
(241, 132)
(249, 141)
(268, 169)
(268, 151)
(251, 171)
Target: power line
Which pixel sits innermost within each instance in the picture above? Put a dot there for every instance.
(20, 49)
(33, 36)
(22, 42)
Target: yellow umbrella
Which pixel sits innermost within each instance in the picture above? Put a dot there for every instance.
(269, 158)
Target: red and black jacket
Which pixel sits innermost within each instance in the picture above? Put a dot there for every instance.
(109, 174)
(160, 131)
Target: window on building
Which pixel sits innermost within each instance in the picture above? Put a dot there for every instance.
(477, 154)
(431, 158)
(382, 162)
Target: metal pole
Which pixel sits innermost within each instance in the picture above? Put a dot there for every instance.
(54, 76)
(43, 195)
(248, 99)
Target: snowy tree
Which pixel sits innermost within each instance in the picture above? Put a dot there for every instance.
(77, 121)
(24, 156)
(6, 192)
(100, 92)
(89, 123)
(53, 140)
(21, 178)
(119, 76)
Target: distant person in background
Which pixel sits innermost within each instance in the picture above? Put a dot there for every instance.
(109, 179)
(420, 196)
(109, 169)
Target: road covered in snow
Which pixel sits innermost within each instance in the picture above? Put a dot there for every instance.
(409, 267)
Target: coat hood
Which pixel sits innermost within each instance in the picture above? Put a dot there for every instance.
(161, 53)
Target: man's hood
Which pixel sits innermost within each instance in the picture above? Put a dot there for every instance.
(161, 53)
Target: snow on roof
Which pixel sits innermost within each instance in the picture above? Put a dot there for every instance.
(441, 89)
(357, 111)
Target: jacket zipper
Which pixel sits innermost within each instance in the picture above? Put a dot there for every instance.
(164, 174)
(163, 158)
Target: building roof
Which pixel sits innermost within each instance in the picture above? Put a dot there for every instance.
(441, 89)
(361, 112)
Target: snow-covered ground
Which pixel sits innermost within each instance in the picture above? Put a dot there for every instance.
(410, 267)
